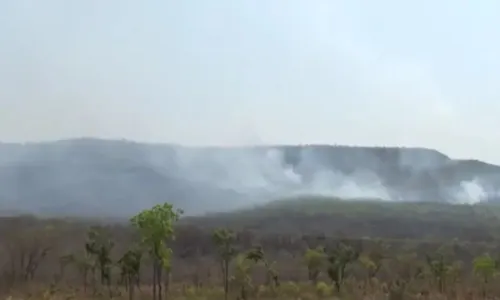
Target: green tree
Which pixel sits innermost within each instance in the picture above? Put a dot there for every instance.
(156, 226)
(372, 262)
(99, 246)
(439, 269)
(130, 266)
(27, 249)
(485, 267)
(373, 259)
(339, 258)
(84, 264)
(315, 259)
(224, 240)
(242, 275)
(455, 271)
(257, 255)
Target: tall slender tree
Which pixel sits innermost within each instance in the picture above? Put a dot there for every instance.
(99, 246)
(315, 258)
(156, 226)
(339, 258)
(130, 266)
(224, 239)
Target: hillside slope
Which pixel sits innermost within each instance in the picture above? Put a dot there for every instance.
(117, 178)
(359, 219)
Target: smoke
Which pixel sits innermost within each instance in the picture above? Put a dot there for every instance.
(118, 178)
(473, 192)
(254, 172)
(470, 193)
(267, 174)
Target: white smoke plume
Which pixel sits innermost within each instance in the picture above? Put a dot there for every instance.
(473, 192)
(266, 175)
(122, 177)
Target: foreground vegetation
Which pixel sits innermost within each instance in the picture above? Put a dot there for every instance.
(301, 249)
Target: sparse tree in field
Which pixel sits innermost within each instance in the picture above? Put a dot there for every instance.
(99, 246)
(339, 258)
(90, 260)
(242, 276)
(85, 265)
(64, 261)
(130, 266)
(408, 266)
(257, 255)
(27, 250)
(439, 269)
(272, 274)
(243, 266)
(484, 267)
(372, 262)
(156, 226)
(224, 240)
(315, 259)
(455, 271)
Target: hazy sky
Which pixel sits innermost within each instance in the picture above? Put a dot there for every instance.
(414, 73)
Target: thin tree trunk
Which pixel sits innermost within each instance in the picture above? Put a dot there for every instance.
(131, 287)
(154, 280)
(167, 283)
(160, 282)
(94, 282)
(125, 281)
(85, 281)
(226, 279)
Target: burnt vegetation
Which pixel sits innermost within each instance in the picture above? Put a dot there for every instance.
(304, 248)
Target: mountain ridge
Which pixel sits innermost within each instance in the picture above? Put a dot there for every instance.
(90, 176)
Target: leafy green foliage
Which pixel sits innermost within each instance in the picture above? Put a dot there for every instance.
(485, 266)
(242, 275)
(373, 259)
(130, 266)
(156, 226)
(439, 268)
(255, 254)
(224, 240)
(339, 258)
(99, 246)
(315, 259)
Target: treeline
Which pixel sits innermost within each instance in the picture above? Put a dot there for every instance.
(248, 266)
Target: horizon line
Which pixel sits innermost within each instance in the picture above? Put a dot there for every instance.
(221, 146)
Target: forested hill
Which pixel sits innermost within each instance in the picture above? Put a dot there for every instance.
(117, 178)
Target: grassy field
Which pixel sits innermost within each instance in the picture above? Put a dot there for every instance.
(307, 248)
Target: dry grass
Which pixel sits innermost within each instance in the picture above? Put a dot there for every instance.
(196, 273)
(353, 289)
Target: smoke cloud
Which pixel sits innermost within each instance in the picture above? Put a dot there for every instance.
(264, 174)
(118, 178)
(473, 192)
(249, 172)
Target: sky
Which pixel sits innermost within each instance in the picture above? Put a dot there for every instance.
(224, 72)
